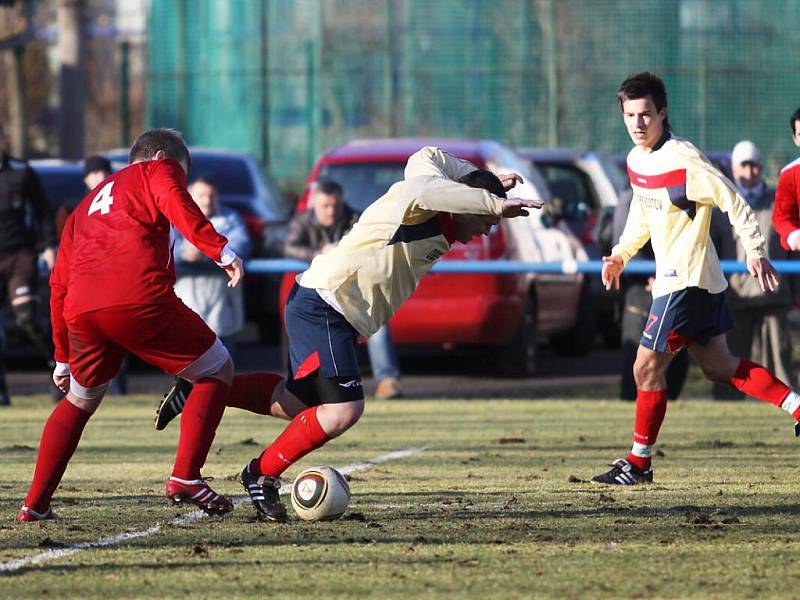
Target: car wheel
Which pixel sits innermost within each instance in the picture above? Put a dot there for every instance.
(520, 358)
(579, 340)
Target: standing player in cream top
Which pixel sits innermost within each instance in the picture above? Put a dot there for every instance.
(352, 291)
(675, 190)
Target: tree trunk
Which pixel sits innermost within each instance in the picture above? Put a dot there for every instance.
(71, 59)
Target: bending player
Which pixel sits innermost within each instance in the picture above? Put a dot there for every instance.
(112, 292)
(675, 190)
(352, 291)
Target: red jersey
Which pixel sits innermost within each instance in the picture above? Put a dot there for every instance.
(116, 247)
(786, 211)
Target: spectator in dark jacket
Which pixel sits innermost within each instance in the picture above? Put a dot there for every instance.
(26, 226)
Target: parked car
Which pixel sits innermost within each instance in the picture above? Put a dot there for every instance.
(506, 313)
(245, 187)
(586, 187)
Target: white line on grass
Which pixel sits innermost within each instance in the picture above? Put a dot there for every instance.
(14, 565)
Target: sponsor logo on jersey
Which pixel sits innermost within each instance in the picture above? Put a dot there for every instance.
(670, 273)
(434, 254)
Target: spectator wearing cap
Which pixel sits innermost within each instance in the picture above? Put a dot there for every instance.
(95, 169)
(761, 332)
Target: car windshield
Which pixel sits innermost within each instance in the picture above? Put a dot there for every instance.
(365, 182)
(230, 174)
(617, 177)
(235, 182)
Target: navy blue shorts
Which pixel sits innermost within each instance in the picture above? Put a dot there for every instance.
(323, 364)
(684, 317)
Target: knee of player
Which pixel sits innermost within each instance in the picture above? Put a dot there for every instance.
(645, 370)
(226, 371)
(341, 417)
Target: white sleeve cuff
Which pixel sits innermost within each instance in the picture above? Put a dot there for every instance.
(61, 370)
(226, 257)
(792, 238)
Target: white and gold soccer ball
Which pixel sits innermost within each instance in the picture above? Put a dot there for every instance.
(320, 494)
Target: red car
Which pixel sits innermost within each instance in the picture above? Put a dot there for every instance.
(507, 313)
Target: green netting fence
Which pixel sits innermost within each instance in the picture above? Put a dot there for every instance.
(288, 79)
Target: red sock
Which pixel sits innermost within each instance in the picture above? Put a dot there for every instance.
(300, 437)
(201, 416)
(757, 382)
(651, 406)
(60, 438)
(253, 391)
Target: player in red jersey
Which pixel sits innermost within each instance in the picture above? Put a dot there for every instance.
(786, 213)
(112, 293)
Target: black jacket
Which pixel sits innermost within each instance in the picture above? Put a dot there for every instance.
(25, 216)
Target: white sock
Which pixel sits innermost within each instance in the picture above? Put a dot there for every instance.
(791, 403)
(642, 450)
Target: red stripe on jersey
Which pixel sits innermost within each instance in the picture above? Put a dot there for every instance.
(310, 364)
(652, 182)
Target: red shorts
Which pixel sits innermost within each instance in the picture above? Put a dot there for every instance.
(169, 336)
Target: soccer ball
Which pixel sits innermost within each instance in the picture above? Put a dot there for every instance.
(320, 494)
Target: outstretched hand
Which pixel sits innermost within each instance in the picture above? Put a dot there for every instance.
(768, 277)
(515, 207)
(612, 269)
(235, 271)
(509, 180)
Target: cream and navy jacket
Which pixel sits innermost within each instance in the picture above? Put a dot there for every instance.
(397, 239)
(675, 189)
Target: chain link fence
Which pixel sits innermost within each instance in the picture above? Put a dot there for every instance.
(288, 79)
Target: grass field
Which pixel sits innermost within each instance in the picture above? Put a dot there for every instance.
(490, 510)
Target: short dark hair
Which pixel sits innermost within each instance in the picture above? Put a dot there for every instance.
(795, 117)
(151, 141)
(641, 85)
(329, 188)
(481, 178)
(95, 162)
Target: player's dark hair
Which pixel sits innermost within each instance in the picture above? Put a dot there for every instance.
(641, 85)
(795, 117)
(153, 140)
(329, 188)
(481, 178)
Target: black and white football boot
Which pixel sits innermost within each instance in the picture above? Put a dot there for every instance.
(172, 404)
(264, 494)
(624, 473)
